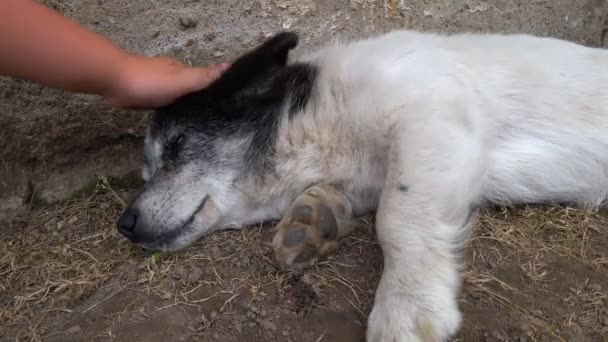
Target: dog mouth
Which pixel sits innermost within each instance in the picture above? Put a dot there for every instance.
(165, 242)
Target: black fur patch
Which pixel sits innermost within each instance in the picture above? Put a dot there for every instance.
(247, 101)
(300, 81)
(403, 187)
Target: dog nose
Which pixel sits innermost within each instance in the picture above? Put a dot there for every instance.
(128, 221)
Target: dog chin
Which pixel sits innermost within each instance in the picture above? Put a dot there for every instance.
(178, 242)
(173, 245)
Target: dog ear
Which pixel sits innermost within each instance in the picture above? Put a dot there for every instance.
(256, 66)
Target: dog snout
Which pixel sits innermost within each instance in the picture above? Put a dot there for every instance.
(127, 222)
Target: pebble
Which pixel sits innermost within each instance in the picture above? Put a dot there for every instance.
(595, 287)
(195, 274)
(215, 252)
(213, 315)
(268, 325)
(209, 37)
(188, 22)
(306, 279)
(74, 329)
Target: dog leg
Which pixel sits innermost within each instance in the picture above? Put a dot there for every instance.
(312, 227)
(433, 179)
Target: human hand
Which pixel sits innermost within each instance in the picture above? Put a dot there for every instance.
(147, 82)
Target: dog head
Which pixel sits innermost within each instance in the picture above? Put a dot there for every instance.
(200, 151)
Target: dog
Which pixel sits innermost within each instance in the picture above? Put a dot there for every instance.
(421, 128)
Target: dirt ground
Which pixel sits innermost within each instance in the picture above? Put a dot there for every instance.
(66, 169)
(532, 274)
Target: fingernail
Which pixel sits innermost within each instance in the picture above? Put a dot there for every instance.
(224, 66)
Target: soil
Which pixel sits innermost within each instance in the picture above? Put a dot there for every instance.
(532, 274)
(66, 166)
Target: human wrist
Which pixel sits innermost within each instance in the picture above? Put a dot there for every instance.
(119, 77)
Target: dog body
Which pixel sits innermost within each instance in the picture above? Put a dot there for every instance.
(420, 127)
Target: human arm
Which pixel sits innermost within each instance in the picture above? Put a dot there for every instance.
(45, 47)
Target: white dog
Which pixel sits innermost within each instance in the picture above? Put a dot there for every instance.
(420, 127)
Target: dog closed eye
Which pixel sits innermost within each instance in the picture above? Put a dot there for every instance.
(175, 146)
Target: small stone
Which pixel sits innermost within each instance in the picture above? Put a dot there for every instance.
(594, 287)
(218, 54)
(306, 279)
(261, 37)
(216, 336)
(285, 333)
(213, 315)
(238, 327)
(74, 329)
(195, 274)
(210, 37)
(215, 252)
(188, 22)
(268, 325)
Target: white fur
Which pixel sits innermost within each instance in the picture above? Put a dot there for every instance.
(456, 120)
(459, 120)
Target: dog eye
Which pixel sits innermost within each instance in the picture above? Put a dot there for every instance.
(175, 146)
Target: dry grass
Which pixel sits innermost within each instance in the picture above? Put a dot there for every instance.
(70, 259)
(534, 231)
(515, 256)
(56, 256)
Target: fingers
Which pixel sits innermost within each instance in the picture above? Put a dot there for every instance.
(205, 76)
(154, 82)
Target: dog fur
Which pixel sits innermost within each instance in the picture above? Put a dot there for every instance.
(420, 127)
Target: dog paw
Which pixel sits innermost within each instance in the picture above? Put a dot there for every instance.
(397, 317)
(311, 228)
